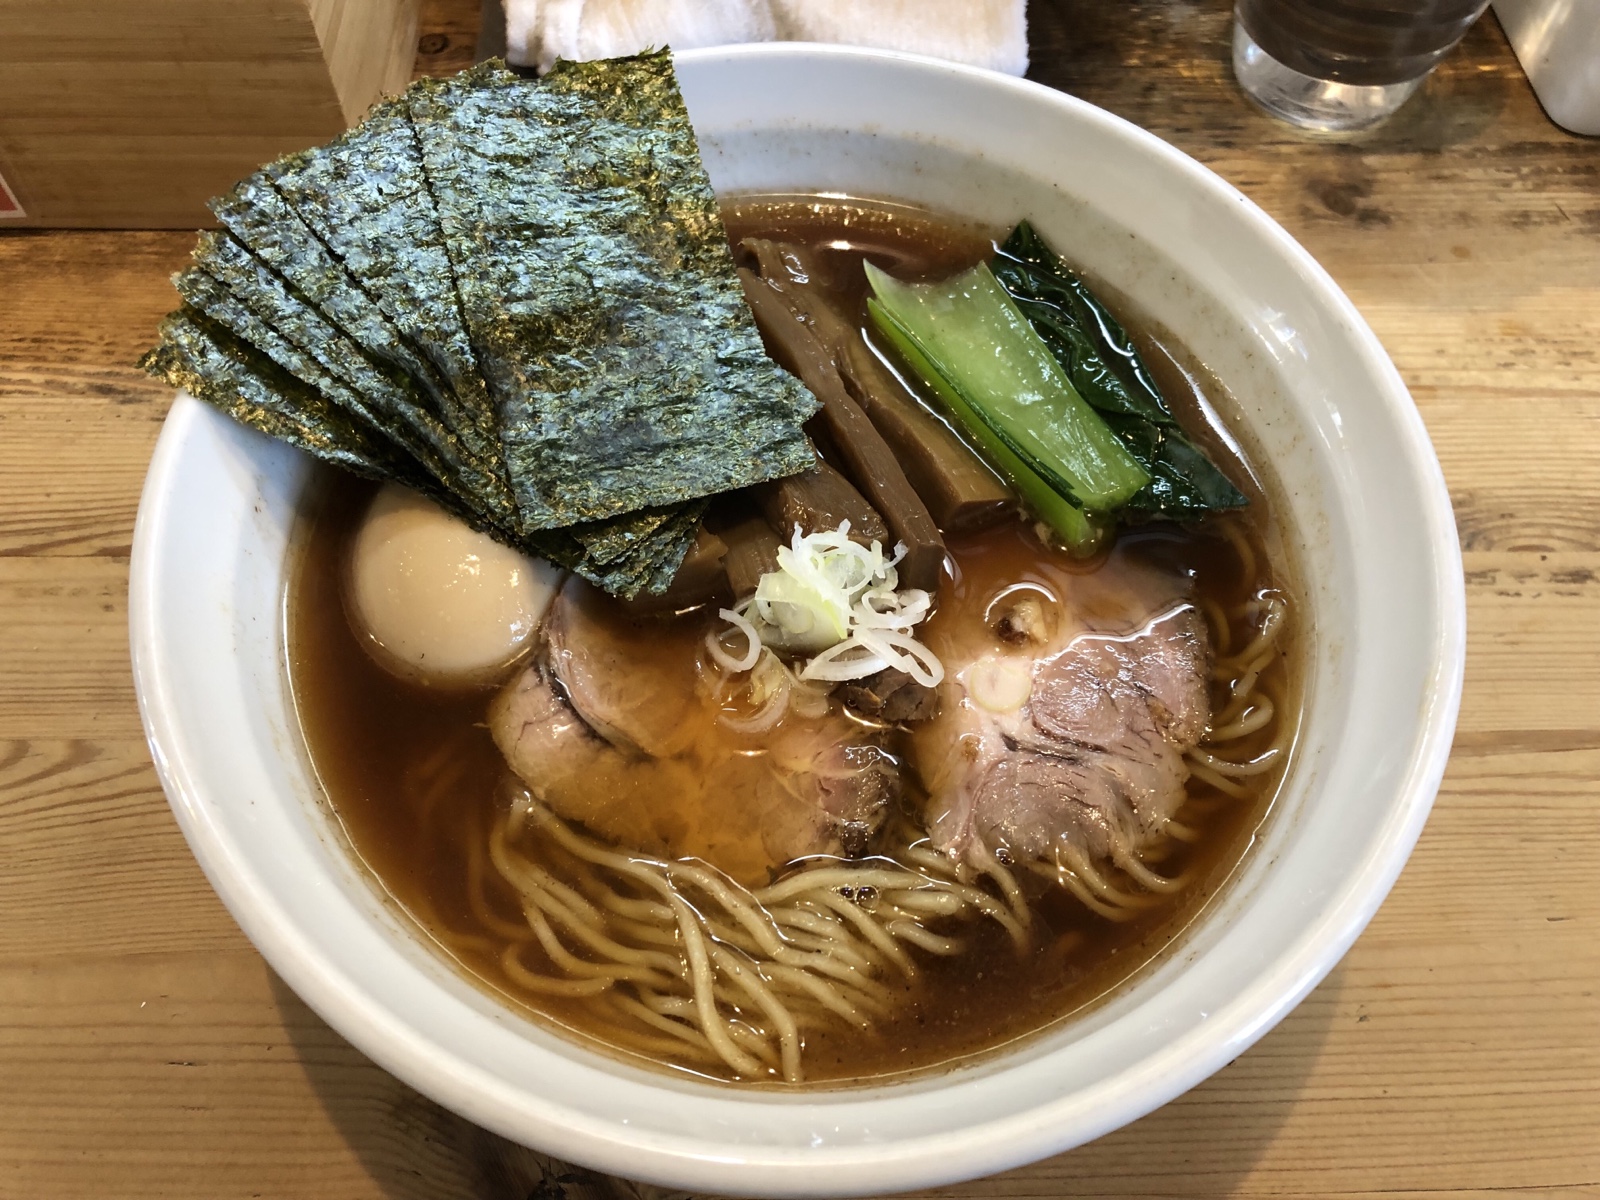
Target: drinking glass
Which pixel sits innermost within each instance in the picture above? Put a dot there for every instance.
(1338, 65)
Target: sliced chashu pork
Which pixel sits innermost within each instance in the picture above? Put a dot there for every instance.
(610, 729)
(1068, 703)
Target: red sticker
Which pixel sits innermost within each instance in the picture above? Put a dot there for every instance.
(8, 201)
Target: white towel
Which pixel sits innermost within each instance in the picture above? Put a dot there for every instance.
(985, 33)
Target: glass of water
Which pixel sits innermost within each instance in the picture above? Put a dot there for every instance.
(1338, 65)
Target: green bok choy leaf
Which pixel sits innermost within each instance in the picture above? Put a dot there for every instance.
(1107, 371)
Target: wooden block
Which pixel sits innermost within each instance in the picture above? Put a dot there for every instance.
(132, 116)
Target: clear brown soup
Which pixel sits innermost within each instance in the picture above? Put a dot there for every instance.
(416, 781)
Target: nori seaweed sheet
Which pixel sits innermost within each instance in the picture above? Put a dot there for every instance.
(514, 297)
(200, 356)
(599, 290)
(677, 536)
(655, 560)
(606, 541)
(365, 196)
(263, 222)
(207, 294)
(231, 329)
(592, 550)
(390, 395)
(208, 361)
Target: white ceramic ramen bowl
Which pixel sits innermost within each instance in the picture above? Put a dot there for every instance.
(1381, 572)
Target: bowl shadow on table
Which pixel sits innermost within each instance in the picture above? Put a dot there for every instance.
(410, 1147)
(1205, 1143)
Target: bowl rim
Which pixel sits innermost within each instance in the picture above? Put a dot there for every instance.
(986, 1145)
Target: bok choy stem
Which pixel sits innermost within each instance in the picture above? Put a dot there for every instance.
(1081, 534)
(972, 336)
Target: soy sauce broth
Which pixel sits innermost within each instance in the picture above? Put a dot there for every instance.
(416, 782)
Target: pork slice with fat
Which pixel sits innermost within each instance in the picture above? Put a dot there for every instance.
(610, 729)
(1066, 729)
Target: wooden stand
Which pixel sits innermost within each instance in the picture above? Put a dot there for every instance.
(131, 115)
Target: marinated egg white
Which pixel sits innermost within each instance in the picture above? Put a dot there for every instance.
(437, 602)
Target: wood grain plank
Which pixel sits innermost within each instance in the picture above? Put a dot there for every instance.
(64, 646)
(155, 1075)
(82, 307)
(48, 508)
(1454, 1053)
(370, 47)
(77, 418)
(447, 36)
(1532, 641)
(96, 865)
(112, 120)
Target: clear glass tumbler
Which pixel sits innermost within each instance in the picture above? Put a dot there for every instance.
(1338, 65)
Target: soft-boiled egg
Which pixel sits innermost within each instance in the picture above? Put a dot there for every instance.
(435, 601)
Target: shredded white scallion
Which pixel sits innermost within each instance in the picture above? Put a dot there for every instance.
(720, 655)
(765, 693)
(839, 602)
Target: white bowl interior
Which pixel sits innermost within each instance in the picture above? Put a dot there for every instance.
(1378, 559)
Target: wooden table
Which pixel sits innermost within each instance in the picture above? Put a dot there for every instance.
(147, 1051)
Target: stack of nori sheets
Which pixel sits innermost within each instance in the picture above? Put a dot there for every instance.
(514, 296)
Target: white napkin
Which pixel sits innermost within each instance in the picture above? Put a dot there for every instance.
(984, 33)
